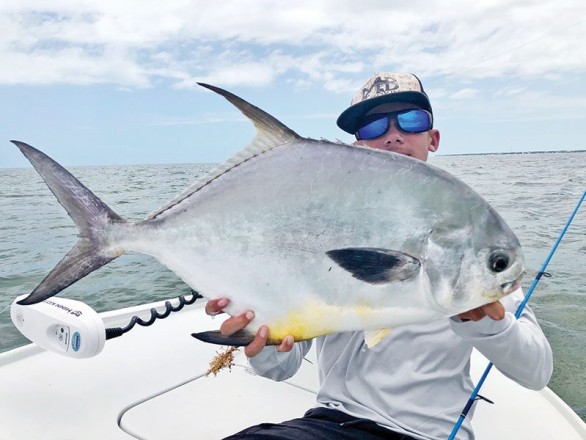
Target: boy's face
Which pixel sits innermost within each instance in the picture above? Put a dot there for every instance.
(416, 145)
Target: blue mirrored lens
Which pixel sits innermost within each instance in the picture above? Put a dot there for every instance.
(414, 121)
(409, 121)
(374, 129)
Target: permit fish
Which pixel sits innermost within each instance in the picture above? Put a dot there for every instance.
(316, 237)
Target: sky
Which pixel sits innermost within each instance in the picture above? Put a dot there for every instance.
(102, 82)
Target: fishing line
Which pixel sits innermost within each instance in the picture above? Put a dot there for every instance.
(541, 273)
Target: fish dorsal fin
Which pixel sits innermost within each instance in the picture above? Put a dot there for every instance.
(373, 337)
(270, 133)
(376, 265)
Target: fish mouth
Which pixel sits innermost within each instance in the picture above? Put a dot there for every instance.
(511, 286)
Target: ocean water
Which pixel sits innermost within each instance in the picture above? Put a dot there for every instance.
(535, 193)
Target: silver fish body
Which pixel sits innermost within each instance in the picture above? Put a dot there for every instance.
(315, 237)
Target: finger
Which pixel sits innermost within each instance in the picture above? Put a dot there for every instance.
(236, 323)
(258, 343)
(216, 306)
(494, 310)
(286, 344)
(473, 315)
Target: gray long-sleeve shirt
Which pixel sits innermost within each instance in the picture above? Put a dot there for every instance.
(416, 380)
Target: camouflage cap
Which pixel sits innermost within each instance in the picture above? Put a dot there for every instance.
(379, 89)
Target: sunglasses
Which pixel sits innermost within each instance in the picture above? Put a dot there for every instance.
(408, 121)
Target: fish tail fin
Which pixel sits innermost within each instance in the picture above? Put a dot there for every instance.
(90, 214)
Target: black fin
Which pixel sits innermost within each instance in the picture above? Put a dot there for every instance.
(238, 339)
(376, 266)
(90, 214)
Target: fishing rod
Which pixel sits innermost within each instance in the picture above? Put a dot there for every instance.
(541, 272)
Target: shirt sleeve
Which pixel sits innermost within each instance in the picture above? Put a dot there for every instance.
(278, 366)
(517, 347)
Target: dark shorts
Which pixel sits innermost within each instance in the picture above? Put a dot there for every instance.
(320, 424)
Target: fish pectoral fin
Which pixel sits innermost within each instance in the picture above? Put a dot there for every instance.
(376, 265)
(373, 337)
(238, 339)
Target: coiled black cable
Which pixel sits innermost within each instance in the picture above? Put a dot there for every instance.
(119, 331)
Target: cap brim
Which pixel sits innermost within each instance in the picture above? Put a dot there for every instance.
(350, 118)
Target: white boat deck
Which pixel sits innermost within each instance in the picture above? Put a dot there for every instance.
(151, 384)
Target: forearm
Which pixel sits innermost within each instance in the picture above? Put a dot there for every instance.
(279, 366)
(518, 348)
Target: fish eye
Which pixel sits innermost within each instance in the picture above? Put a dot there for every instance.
(498, 261)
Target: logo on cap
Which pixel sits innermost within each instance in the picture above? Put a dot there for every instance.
(380, 86)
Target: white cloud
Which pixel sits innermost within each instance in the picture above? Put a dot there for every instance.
(253, 42)
(511, 91)
(464, 93)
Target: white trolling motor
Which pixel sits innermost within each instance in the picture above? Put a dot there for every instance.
(64, 326)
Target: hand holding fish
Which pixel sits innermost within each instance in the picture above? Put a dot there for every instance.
(239, 322)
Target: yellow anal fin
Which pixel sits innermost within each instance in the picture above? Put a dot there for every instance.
(373, 337)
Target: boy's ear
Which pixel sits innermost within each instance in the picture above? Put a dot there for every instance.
(434, 135)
